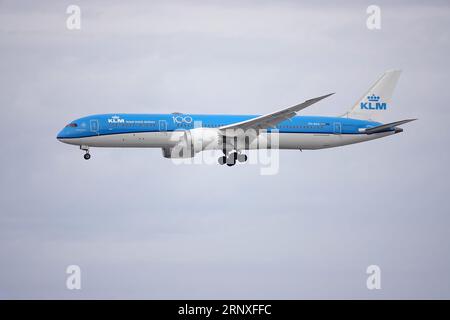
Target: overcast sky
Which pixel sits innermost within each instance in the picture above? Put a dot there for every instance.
(141, 227)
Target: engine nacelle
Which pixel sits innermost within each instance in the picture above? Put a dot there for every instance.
(192, 142)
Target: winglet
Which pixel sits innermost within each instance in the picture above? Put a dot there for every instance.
(307, 103)
(320, 98)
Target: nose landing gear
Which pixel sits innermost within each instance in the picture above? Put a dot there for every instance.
(87, 155)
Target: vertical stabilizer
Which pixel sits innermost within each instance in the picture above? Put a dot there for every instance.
(377, 100)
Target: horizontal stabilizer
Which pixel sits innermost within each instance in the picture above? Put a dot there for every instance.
(387, 126)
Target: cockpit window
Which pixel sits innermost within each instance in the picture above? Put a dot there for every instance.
(72, 125)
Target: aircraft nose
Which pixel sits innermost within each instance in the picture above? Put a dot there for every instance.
(62, 135)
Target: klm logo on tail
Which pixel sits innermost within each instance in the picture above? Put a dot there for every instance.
(373, 103)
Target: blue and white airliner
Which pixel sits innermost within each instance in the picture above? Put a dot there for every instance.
(182, 135)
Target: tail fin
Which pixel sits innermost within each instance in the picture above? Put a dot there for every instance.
(376, 101)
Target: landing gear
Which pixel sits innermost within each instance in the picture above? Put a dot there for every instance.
(87, 155)
(222, 160)
(231, 159)
(242, 157)
(232, 152)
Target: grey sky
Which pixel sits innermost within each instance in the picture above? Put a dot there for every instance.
(141, 227)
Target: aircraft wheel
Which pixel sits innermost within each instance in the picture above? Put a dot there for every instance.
(242, 157)
(234, 156)
(222, 160)
(231, 161)
(87, 156)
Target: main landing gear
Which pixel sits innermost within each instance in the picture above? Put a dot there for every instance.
(232, 157)
(87, 155)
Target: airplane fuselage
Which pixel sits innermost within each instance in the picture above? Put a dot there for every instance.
(166, 130)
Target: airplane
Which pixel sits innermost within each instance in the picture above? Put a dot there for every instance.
(182, 135)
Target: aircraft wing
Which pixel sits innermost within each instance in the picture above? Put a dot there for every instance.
(272, 119)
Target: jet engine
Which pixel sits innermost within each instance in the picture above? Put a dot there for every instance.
(192, 142)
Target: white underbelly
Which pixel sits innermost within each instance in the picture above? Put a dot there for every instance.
(130, 140)
(313, 141)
